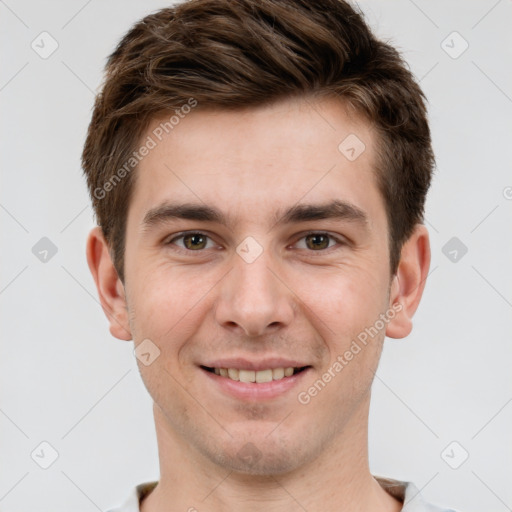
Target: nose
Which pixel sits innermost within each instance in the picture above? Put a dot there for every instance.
(254, 298)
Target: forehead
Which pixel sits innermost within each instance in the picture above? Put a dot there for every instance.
(259, 161)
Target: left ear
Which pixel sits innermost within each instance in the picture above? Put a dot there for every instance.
(409, 281)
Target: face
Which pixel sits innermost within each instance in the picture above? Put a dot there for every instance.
(255, 244)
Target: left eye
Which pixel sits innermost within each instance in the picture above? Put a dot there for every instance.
(198, 241)
(318, 241)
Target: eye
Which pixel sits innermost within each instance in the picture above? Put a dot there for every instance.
(192, 241)
(319, 241)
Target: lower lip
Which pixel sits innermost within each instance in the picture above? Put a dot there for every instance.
(253, 390)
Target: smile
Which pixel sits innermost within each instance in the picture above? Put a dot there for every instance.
(259, 376)
(250, 384)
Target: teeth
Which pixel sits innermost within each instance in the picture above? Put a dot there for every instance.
(253, 376)
(233, 374)
(277, 373)
(247, 375)
(264, 376)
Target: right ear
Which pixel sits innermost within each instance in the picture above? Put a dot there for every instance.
(110, 288)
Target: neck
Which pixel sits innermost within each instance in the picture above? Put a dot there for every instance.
(337, 479)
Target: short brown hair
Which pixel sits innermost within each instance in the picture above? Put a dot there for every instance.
(230, 54)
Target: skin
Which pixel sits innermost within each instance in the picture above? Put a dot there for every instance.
(295, 300)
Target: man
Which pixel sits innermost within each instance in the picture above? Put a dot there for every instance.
(258, 171)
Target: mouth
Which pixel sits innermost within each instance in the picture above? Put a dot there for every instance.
(256, 376)
(248, 380)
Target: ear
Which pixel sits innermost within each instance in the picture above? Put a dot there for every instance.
(409, 281)
(110, 288)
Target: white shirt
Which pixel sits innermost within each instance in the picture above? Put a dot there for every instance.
(406, 492)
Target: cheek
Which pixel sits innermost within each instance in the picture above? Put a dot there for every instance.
(348, 304)
(167, 299)
(345, 299)
(349, 309)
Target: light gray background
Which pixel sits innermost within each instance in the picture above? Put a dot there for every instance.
(66, 381)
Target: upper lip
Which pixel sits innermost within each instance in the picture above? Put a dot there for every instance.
(241, 363)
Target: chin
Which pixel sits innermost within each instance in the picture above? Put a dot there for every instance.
(262, 458)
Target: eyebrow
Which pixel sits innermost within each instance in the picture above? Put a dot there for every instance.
(337, 209)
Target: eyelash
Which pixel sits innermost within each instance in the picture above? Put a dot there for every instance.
(183, 234)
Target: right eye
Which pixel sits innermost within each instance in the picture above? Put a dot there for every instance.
(193, 241)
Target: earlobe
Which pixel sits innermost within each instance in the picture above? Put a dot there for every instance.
(110, 288)
(409, 282)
